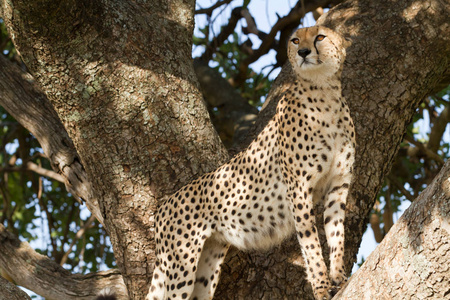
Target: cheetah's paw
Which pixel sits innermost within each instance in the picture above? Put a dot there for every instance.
(335, 287)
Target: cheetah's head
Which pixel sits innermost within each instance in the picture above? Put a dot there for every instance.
(316, 53)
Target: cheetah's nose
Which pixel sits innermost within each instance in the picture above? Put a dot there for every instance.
(304, 52)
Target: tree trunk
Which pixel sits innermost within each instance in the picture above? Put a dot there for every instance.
(121, 80)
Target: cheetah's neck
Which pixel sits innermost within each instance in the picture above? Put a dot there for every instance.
(329, 83)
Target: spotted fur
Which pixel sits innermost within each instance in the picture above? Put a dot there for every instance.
(266, 193)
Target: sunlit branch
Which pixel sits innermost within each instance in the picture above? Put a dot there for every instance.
(77, 236)
(424, 150)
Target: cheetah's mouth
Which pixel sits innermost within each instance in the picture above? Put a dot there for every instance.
(307, 62)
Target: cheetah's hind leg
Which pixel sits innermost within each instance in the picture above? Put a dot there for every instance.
(208, 271)
(157, 289)
(175, 268)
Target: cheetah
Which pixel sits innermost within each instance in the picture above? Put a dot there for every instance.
(266, 193)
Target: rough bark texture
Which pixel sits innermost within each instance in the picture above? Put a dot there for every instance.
(48, 279)
(413, 260)
(9, 291)
(119, 78)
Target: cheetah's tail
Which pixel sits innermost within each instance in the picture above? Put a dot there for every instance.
(106, 294)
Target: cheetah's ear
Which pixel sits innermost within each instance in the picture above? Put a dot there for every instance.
(347, 41)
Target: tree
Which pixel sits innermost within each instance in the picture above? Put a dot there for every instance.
(123, 121)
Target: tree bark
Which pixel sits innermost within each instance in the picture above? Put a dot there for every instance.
(9, 291)
(119, 79)
(413, 260)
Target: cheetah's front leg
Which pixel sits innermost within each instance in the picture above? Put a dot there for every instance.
(334, 216)
(307, 235)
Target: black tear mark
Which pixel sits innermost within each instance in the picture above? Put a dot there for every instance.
(316, 46)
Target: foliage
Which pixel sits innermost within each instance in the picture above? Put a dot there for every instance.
(39, 210)
(416, 164)
(6, 44)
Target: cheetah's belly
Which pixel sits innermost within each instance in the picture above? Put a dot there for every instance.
(259, 222)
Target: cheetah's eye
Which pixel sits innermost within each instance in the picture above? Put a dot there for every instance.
(320, 37)
(295, 41)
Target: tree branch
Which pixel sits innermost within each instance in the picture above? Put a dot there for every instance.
(11, 292)
(438, 129)
(422, 149)
(210, 10)
(235, 115)
(22, 98)
(400, 187)
(223, 35)
(67, 227)
(78, 235)
(414, 256)
(375, 225)
(42, 275)
(292, 20)
(30, 166)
